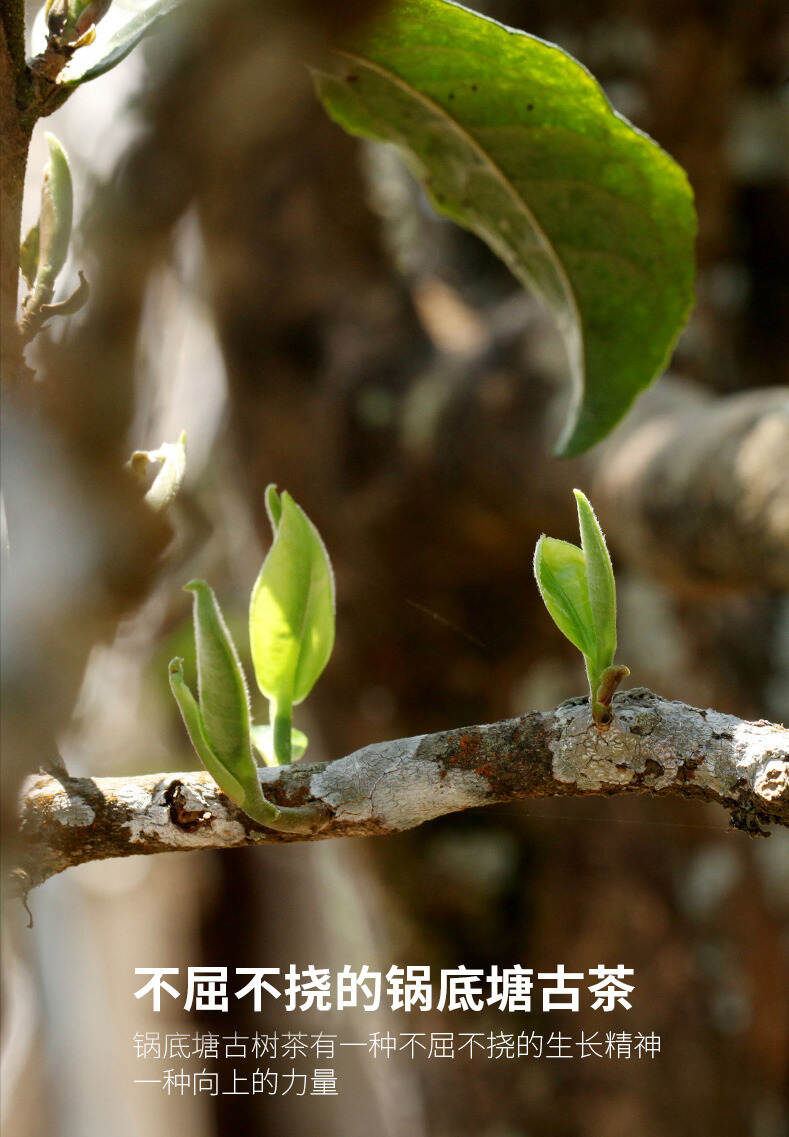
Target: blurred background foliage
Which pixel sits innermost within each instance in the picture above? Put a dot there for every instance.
(287, 296)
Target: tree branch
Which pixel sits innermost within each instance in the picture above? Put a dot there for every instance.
(15, 130)
(654, 746)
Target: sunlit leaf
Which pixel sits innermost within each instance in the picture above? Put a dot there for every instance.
(561, 578)
(600, 581)
(45, 249)
(291, 615)
(119, 32)
(578, 588)
(54, 226)
(168, 481)
(515, 140)
(263, 741)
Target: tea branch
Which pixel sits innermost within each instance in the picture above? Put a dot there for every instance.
(653, 747)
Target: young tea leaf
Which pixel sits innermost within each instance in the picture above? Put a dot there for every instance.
(222, 689)
(263, 741)
(600, 582)
(561, 578)
(195, 728)
(291, 614)
(54, 227)
(514, 139)
(45, 248)
(578, 588)
(219, 727)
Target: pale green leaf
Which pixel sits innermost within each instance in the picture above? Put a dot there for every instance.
(291, 616)
(222, 691)
(245, 789)
(52, 236)
(28, 255)
(600, 581)
(57, 209)
(195, 728)
(263, 741)
(168, 481)
(578, 588)
(515, 140)
(561, 578)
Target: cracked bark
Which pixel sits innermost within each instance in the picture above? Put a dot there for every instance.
(654, 746)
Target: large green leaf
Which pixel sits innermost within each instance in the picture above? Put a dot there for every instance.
(515, 140)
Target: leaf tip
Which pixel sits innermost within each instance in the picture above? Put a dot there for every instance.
(580, 496)
(273, 505)
(54, 144)
(197, 585)
(586, 509)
